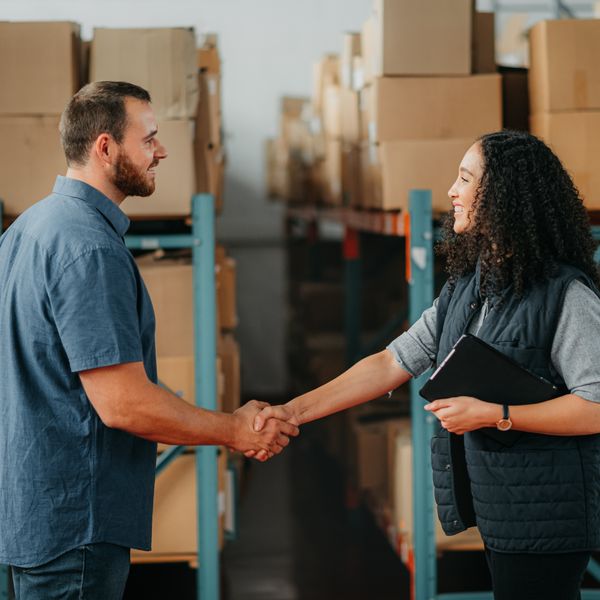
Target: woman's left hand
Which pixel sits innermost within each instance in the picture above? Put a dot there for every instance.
(465, 413)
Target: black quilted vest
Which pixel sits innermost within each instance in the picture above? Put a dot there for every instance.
(541, 493)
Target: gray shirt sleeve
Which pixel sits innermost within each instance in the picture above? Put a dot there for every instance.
(416, 348)
(576, 346)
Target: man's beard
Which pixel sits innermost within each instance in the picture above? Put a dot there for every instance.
(130, 180)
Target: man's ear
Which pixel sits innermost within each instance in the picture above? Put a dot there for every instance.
(105, 149)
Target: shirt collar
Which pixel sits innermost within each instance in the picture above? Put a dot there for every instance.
(83, 191)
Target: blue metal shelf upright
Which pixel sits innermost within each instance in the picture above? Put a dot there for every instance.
(202, 243)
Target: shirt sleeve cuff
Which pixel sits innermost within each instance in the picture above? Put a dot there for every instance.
(410, 354)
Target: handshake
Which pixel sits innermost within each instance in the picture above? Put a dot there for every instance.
(260, 430)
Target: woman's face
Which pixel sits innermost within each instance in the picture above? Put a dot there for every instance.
(464, 189)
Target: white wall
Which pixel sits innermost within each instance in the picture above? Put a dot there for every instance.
(267, 48)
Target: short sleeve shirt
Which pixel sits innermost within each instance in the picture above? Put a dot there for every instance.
(71, 299)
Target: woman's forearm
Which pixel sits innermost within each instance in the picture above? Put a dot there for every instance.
(369, 378)
(566, 415)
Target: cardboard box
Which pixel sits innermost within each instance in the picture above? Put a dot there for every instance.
(332, 191)
(403, 501)
(358, 73)
(293, 106)
(367, 40)
(169, 283)
(177, 374)
(161, 60)
(429, 37)
(416, 108)
(392, 169)
(40, 66)
(31, 157)
(175, 175)
(332, 119)
(484, 43)
(575, 139)
(564, 58)
(351, 186)
(208, 56)
(326, 72)
(229, 353)
(366, 111)
(515, 98)
(350, 49)
(349, 116)
(175, 517)
(209, 116)
(210, 171)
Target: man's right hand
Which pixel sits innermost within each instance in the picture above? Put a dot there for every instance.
(270, 440)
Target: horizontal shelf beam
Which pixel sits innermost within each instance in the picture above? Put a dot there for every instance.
(154, 242)
(385, 223)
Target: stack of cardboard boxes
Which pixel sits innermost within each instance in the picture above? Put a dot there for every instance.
(289, 154)
(406, 99)
(34, 94)
(168, 278)
(384, 474)
(564, 92)
(421, 106)
(184, 83)
(209, 142)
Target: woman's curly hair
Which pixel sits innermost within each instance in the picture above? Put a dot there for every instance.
(528, 217)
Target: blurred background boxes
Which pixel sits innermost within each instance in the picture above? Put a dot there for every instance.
(564, 92)
(575, 138)
(391, 169)
(161, 60)
(411, 108)
(429, 37)
(175, 517)
(175, 176)
(31, 157)
(564, 58)
(184, 82)
(30, 85)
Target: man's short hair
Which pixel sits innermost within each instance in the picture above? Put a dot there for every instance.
(95, 109)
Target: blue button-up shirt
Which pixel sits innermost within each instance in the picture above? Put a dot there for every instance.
(71, 299)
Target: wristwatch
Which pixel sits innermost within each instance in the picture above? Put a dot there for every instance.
(504, 424)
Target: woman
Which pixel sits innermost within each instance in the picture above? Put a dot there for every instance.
(519, 256)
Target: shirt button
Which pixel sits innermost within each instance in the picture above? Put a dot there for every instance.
(447, 467)
(455, 523)
(473, 305)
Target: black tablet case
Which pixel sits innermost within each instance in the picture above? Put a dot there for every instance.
(474, 368)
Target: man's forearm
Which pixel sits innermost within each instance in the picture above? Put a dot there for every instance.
(161, 416)
(366, 380)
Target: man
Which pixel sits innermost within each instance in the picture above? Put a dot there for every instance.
(80, 410)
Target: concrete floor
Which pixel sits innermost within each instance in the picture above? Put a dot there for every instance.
(298, 542)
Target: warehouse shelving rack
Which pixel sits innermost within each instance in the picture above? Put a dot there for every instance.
(416, 226)
(202, 242)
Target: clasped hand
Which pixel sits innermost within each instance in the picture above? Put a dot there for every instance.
(463, 413)
(258, 436)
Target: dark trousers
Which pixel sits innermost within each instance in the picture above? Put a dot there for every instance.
(94, 572)
(537, 576)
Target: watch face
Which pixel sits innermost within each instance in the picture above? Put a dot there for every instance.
(504, 424)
